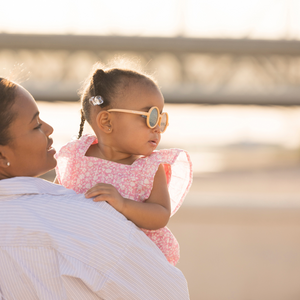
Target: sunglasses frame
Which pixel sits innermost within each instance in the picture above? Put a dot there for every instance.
(146, 114)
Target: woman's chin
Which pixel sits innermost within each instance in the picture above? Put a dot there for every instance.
(53, 164)
(49, 168)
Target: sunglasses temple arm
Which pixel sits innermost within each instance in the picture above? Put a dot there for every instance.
(130, 111)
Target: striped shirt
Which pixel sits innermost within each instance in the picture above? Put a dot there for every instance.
(56, 244)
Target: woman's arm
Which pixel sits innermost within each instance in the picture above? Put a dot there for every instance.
(152, 214)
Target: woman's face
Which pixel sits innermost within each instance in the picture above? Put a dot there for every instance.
(29, 151)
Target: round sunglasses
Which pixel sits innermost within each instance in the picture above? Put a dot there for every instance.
(153, 117)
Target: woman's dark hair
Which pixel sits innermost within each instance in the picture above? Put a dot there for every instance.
(7, 99)
(107, 84)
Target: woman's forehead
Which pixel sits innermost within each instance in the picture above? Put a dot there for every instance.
(25, 106)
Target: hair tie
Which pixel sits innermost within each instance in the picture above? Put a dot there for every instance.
(96, 100)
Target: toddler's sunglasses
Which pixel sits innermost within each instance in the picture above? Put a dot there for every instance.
(153, 117)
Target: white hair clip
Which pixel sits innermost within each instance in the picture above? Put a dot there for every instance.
(96, 100)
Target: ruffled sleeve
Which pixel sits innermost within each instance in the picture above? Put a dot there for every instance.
(67, 159)
(178, 168)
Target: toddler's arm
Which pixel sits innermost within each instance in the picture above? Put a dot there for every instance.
(152, 214)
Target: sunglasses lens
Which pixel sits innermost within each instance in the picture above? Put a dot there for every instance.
(153, 118)
(163, 122)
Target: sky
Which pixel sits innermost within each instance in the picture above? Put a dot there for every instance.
(271, 19)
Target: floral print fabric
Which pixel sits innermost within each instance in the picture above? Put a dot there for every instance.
(79, 172)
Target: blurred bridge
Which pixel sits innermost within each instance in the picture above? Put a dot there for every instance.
(188, 70)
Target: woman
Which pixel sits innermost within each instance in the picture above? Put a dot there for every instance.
(25, 146)
(56, 244)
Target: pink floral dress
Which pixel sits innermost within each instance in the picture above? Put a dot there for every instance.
(79, 172)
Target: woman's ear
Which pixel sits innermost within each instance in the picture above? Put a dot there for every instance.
(104, 121)
(4, 162)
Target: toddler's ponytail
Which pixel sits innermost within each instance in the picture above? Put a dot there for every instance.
(97, 81)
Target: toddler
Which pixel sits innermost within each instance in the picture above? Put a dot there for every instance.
(119, 164)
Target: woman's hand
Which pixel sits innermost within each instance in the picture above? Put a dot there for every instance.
(107, 192)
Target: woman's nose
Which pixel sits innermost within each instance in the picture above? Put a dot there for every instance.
(48, 129)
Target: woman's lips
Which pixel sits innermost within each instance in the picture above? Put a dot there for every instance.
(50, 148)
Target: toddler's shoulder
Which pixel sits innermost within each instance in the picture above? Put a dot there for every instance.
(170, 156)
(77, 146)
(178, 169)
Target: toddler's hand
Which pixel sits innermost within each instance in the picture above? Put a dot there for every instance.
(106, 192)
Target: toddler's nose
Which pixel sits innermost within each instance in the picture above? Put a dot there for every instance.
(157, 128)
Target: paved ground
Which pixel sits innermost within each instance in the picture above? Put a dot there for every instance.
(264, 188)
(231, 253)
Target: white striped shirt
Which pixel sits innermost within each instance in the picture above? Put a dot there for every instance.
(55, 244)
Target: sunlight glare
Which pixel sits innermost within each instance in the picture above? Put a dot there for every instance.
(214, 18)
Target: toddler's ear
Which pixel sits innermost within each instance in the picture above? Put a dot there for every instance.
(103, 121)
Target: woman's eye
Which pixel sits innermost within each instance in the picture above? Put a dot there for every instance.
(38, 127)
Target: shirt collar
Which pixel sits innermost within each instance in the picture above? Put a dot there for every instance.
(30, 185)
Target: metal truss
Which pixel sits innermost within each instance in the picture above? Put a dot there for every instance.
(188, 70)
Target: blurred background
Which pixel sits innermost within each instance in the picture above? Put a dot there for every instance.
(230, 74)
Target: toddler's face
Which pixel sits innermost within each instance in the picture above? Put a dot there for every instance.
(131, 133)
